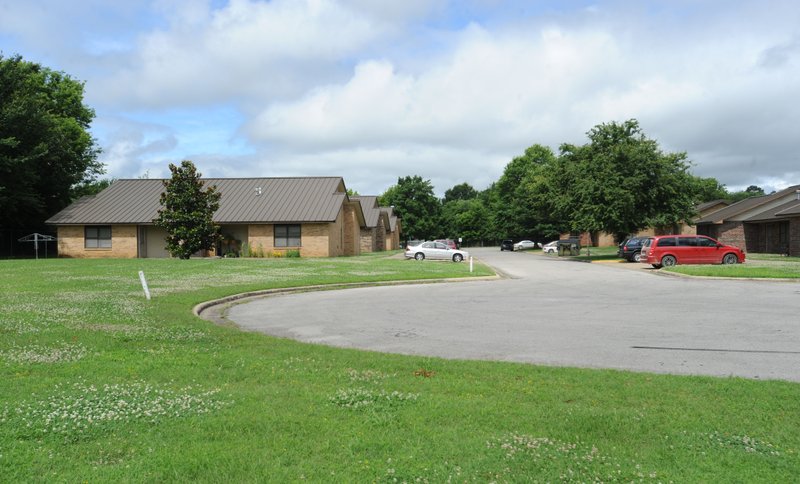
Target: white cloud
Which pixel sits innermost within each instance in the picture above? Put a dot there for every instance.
(245, 50)
(375, 90)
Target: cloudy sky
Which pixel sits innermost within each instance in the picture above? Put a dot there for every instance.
(372, 90)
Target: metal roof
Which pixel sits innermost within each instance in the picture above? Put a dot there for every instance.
(790, 210)
(372, 212)
(705, 206)
(785, 210)
(243, 200)
(392, 217)
(738, 211)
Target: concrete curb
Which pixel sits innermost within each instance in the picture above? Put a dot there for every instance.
(214, 310)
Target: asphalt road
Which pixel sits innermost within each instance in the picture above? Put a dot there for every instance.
(551, 311)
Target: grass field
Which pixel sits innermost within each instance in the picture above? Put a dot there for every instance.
(756, 266)
(99, 385)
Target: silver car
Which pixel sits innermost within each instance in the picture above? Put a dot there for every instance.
(524, 245)
(435, 250)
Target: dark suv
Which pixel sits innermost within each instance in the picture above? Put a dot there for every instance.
(631, 249)
(507, 245)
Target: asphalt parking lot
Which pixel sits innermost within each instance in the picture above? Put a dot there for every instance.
(552, 311)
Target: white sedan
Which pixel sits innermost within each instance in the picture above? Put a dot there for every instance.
(524, 245)
(550, 247)
(435, 250)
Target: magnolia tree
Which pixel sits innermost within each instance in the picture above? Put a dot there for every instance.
(187, 212)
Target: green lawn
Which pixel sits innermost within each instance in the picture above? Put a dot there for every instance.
(99, 385)
(756, 266)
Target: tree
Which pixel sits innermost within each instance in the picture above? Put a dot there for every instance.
(464, 191)
(92, 187)
(416, 205)
(749, 192)
(467, 219)
(522, 207)
(187, 212)
(45, 145)
(622, 182)
(709, 189)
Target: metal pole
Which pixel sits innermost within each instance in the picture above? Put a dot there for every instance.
(36, 244)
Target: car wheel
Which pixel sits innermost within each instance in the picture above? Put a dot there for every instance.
(458, 257)
(419, 256)
(668, 261)
(637, 257)
(730, 259)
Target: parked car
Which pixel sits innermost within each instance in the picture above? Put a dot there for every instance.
(448, 242)
(550, 247)
(669, 250)
(435, 250)
(524, 245)
(507, 244)
(631, 249)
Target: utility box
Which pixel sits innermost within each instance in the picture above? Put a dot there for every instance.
(569, 247)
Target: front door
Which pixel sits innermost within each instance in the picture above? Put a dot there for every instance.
(142, 242)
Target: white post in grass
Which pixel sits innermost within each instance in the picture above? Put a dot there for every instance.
(144, 285)
(470, 264)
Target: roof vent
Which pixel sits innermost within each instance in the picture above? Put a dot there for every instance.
(258, 191)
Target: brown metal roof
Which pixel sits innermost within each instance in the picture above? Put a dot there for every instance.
(792, 211)
(731, 212)
(372, 212)
(784, 211)
(392, 217)
(706, 205)
(243, 200)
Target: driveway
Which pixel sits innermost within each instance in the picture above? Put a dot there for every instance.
(552, 311)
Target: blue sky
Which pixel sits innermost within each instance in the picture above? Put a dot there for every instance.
(449, 90)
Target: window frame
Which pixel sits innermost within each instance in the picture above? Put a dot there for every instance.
(286, 238)
(93, 237)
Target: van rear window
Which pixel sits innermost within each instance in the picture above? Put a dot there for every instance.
(668, 242)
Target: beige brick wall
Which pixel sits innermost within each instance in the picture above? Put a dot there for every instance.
(367, 240)
(350, 241)
(314, 238)
(316, 241)
(123, 243)
(261, 237)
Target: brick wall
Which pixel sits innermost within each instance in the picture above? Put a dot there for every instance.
(733, 233)
(123, 243)
(367, 240)
(316, 241)
(794, 236)
(351, 242)
(313, 237)
(380, 237)
(261, 238)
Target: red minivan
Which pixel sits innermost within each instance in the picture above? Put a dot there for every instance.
(668, 250)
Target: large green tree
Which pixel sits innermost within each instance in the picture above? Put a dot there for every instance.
(749, 192)
(416, 205)
(462, 191)
(621, 182)
(45, 144)
(522, 206)
(468, 220)
(709, 189)
(187, 212)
